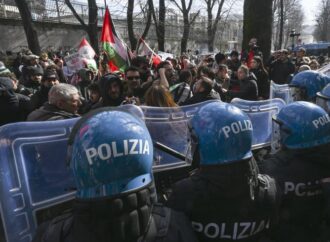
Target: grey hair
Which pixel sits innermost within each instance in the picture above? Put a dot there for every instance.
(61, 91)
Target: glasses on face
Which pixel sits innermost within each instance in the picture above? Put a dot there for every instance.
(133, 77)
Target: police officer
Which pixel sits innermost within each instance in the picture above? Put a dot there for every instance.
(226, 198)
(111, 156)
(323, 98)
(305, 85)
(300, 167)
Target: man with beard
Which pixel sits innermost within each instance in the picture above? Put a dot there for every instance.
(111, 88)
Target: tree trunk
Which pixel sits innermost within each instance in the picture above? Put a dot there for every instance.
(210, 39)
(161, 25)
(185, 35)
(29, 29)
(130, 30)
(92, 25)
(257, 23)
(280, 42)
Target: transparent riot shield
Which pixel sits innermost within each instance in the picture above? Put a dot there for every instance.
(260, 113)
(34, 175)
(169, 126)
(281, 91)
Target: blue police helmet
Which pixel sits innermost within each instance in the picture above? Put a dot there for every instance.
(306, 84)
(112, 153)
(222, 134)
(303, 125)
(323, 98)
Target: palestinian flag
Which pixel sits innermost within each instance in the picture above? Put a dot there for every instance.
(113, 45)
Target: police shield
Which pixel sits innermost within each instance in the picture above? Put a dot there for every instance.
(281, 91)
(169, 127)
(34, 175)
(260, 113)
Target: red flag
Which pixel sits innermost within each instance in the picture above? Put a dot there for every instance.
(113, 45)
(86, 50)
(145, 50)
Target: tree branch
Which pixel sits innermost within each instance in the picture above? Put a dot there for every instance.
(178, 6)
(76, 14)
(194, 18)
(148, 23)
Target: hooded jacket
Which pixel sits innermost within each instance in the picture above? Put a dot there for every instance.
(104, 84)
(13, 107)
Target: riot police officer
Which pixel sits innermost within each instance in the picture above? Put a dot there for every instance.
(323, 98)
(226, 198)
(305, 85)
(300, 167)
(111, 155)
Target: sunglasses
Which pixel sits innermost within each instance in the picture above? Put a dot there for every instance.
(133, 77)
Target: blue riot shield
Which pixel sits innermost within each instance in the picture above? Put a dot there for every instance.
(260, 113)
(280, 91)
(169, 127)
(34, 175)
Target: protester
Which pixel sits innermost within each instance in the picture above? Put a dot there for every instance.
(112, 91)
(33, 81)
(181, 92)
(248, 86)
(159, 96)
(86, 78)
(258, 69)
(48, 80)
(281, 68)
(201, 91)
(13, 107)
(63, 103)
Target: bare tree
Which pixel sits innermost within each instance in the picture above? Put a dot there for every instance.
(212, 23)
(322, 31)
(257, 23)
(187, 21)
(159, 23)
(130, 23)
(286, 17)
(91, 27)
(29, 28)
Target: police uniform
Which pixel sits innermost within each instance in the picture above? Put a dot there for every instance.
(221, 209)
(225, 199)
(112, 167)
(300, 168)
(299, 174)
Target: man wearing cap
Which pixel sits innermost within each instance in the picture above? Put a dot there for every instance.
(32, 83)
(29, 60)
(49, 79)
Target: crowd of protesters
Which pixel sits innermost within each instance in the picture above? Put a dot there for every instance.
(36, 88)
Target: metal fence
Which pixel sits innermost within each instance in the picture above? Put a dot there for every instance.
(51, 11)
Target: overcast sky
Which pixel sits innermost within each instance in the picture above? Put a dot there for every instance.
(310, 10)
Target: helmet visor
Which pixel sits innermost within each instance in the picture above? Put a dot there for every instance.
(297, 93)
(279, 134)
(192, 145)
(323, 103)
